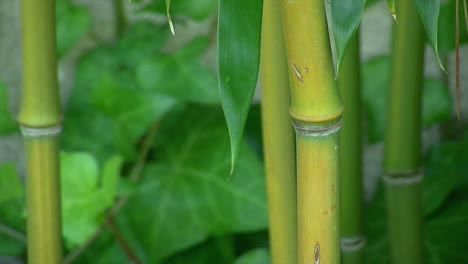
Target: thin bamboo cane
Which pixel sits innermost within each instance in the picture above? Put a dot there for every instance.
(278, 138)
(402, 153)
(351, 200)
(316, 111)
(40, 119)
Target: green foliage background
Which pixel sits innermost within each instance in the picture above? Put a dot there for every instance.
(182, 209)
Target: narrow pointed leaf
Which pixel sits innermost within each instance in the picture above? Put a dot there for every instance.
(391, 8)
(239, 26)
(346, 15)
(429, 13)
(169, 19)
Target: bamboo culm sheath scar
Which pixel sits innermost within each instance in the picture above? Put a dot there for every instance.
(40, 120)
(278, 138)
(316, 110)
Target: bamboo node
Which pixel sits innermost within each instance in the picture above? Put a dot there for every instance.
(350, 244)
(409, 178)
(314, 130)
(34, 132)
(317, 254)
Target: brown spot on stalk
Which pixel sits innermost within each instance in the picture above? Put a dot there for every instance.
(325, 212)
(333, 187)
(297, 72)
(317, 254)
(306, 70)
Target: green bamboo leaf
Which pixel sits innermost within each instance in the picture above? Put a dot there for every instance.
(169, 19)
(391, 8)
(346, 15)
(429, 13)
(239, 27)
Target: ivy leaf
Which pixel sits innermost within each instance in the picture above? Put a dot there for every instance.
(7, 124)
(429, 14)
(85, 197)
(239, 27)
(345, 15)
(257, 256)
(185, 196)
(180, 75)
(72, 23)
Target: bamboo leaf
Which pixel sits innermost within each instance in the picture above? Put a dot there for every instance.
(346, 15)
(169, 19)
(429, 14)
(391, 8)
(239, 26)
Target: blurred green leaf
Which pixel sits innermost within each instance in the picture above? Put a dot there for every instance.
(446, 27)
(85, 196)
(185, 196)
(429, 14)
(437, 102)
(256, 256)
(107, 96)
(371, 2)
(180, 75)
(239, 26)
(72, 23)
(198, 10)
(375, 85)
(10, 185)
(7, 124)
(134, 111)
(447, 224)
(345, 15)
(446, 232)
(214, 250)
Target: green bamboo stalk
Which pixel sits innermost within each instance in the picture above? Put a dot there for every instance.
(40, 119)
(316, 111)
(278, 138)
(351, 200)
(402, 153)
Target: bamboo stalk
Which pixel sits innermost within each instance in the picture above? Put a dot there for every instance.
(316, 111)
(402, 153)
(278, 138)
(351, 200)
(40, 119)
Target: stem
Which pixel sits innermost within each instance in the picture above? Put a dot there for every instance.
(134, 177)
(121, 240)
(351, 200)
(12, 233)
(121, 20)
(40, 119)
(278, 139)
(316, 111)
(402, 153)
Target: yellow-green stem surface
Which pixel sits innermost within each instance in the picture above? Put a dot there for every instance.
(278, 138)
(315, 104)
(43, 200)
